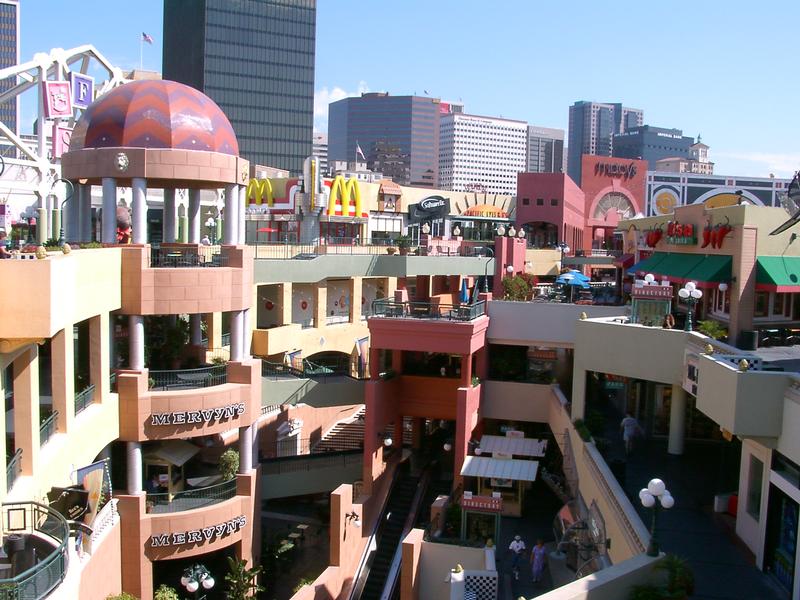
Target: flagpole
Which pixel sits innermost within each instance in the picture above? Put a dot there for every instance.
(141, 51)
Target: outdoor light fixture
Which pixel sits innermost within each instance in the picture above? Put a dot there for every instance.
(457, 231)
(723, 287)
(649, 279)
(564, 247)
(387, 439)
(510, 269)
(196, 576)
(690, 294)
(501, 231)
(447, 446)
(353, 517)
(511, 231)
(521, 233)
(486, 268)
(70, 192)
(426, 228)
(211, 223)
(655, 496)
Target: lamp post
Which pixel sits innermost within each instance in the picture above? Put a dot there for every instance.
(70, 192)
(211, 223)
(196, 576)
(486, 270)
(655, 496)
(690, 294)
(564, 247)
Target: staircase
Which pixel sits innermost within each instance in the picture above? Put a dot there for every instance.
(397, 509)
(349, 435)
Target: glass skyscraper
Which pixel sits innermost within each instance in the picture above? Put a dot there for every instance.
(255, 58)
(9, 56)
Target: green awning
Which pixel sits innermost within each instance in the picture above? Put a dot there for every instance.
(678, 266)
(712, 269)
(648, 264)
(775, 272)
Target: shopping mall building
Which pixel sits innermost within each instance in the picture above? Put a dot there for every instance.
(389, 379)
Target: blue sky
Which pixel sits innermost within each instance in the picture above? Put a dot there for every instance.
(726, 70)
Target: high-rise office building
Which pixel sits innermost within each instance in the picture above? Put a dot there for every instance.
(545, 150)
(481, 153)
(255, 58)
(651, 144)
(9, 56)
(592, 126)
(320, 150)
(403, 130)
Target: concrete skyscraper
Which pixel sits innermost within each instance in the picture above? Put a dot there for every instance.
(545, 150)
(9, 56)
(592, 126)
(255, 58)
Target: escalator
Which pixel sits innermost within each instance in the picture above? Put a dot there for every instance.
(389, 534)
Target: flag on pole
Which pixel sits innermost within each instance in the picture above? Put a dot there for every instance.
(426, 92)
(146, 38)
(360, 152)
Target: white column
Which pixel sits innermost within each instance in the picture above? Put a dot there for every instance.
(136, 342)
(194, 216)
(196, 329)
(230, 232)
(245, 449)
(109, 211)
(677, 420)
(168, 218)
(248, 334)
(139, 206)
(240, 208)
(85, 213)
(73, 219)
(237, 330)
(134, 467)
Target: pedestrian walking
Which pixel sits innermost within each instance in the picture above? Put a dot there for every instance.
(538, 557)
(630, 429)
(517, 548)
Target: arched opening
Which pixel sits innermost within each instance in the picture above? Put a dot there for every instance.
(330, 363)
(541, 234)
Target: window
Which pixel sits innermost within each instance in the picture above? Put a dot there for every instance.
(526, 201)
(754, 481)
(540, 202)
(553, 201)
(762, 304)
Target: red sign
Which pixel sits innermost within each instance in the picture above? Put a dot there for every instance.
(482, 503)
(682, 234)
(57, 99)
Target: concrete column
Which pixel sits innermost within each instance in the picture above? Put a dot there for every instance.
(237, 334)
(139, 206)
(677, 420)
(321, 304)
(136, 342)
(26, 408)
(578, 393)
(84, 213)
(168, 217)
(242, 228)
(109, 211)
(63, 380)
(285, 303)
(194, 216)
(231, 224)
(57, 216)
(72, 216)
(466, 370)
(355, 299)
(99, 356)
(247, 338)
(245, 450)
(214, 330)
(134, 450)
(41, 226)
(196, 329)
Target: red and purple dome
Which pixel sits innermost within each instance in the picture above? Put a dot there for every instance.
(155, 114)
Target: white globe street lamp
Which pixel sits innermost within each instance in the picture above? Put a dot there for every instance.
(194, 577)
(690, 294)
(655, 496)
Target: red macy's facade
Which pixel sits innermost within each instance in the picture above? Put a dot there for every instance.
(553, 209)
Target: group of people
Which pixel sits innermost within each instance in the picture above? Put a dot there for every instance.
(538, 557)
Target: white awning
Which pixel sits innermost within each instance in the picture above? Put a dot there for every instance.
(513, 445)
(515, 470)
(175, 452)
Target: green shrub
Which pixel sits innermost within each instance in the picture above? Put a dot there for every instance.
(303, 583)
(516, 289)
(164, 592)
(712, 329)
(122, 596)
(229, 464)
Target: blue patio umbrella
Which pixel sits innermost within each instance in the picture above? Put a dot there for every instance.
(464, 291)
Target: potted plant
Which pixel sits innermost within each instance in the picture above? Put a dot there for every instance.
(391, 250)
(680, 578)
(229, 464)
(712, 329)
(404, 243)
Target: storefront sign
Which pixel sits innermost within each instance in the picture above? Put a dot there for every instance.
(615, 170)
(197, 536)
(615, 382)
(482, 503)
(190, 417)
(82, 89)
(57, 99)
(432, 207)
(681, 234)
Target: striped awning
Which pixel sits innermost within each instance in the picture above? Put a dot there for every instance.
(513, 445)
(499, 468)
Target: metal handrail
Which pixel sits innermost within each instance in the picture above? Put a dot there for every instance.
(428, 310)
(86, 396)
(13, 469)
(177, 257)
(48, 428)
(187, 379)
(163, 503)
(45, 575)
(272, 369)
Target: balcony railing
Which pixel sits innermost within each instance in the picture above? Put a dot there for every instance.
(26, 520)
(13, 469)
(86, 396)
(48, 428)
(225, 339)
(309, 370)
(428, 310)
(188, 379)
(173, 258)
(191, 499)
